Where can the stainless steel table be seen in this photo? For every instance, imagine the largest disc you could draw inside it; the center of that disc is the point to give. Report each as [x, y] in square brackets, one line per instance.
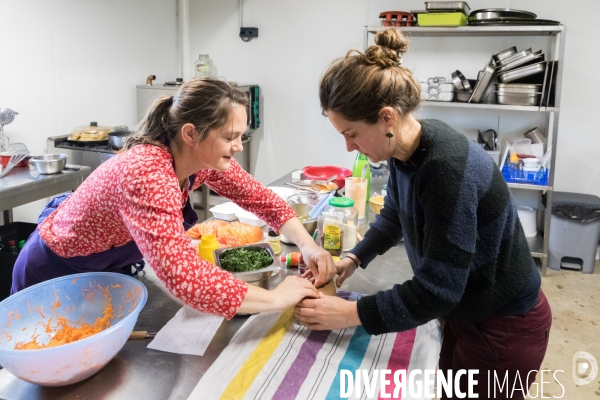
[23, 185]
[139, 372]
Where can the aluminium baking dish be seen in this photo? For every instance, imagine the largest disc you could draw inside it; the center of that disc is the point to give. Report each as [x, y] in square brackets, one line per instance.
[437, 6]
[522, 72]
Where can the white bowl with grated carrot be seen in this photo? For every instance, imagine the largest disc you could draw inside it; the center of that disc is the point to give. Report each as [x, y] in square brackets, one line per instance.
[64, 330]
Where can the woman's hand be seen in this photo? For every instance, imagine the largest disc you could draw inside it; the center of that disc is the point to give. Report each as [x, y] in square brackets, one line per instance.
[291, 291]
[319, 263]
[345, 268]
[287, 294]
[327, 313]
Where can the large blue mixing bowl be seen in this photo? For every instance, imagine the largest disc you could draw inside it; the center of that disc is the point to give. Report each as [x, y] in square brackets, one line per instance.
[81, 299]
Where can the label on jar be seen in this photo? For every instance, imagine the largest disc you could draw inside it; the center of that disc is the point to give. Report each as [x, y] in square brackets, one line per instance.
[332, 237]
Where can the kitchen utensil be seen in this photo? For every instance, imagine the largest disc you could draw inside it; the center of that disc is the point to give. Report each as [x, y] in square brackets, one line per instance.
[518, 88]
[490, 138]
[5, 159]
[331, 178]
[306, 198]
[116, 140]
[460, 82]
[493, 13]
[78, 298]
[316, 211]
[376, 204]
[136, 335]
[504, 54]
[14, 160]
[522, 72]
[518, 99]
[437, 89]
[309, 223]
[49, 164]
[486, 77]
[397, 18]
[523, 147]
[324, 172]
[463, 96]
[529, 58]
[6, 117]
[298, 187]
[514, 57]
[437, 6]
[317, 185]
[512, 22]
[92, 133]
[364, 172]
[535, 136]
[19, 148]
[259, 277]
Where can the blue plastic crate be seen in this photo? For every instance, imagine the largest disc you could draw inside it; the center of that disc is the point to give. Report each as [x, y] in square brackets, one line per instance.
[513, 175]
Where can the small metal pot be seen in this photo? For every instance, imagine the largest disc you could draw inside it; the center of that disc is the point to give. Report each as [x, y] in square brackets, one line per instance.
[49, 164]
[116, 140]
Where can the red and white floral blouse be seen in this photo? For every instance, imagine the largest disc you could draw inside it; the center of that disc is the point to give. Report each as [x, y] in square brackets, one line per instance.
[136, 196]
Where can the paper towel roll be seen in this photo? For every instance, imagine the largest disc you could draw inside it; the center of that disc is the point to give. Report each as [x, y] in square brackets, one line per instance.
[528, 217]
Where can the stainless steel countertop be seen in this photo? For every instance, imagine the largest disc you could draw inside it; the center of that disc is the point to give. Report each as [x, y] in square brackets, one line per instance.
[139, 372]
[23, 185]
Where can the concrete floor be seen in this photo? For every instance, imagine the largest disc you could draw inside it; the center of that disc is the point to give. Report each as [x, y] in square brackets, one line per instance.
[575, 301]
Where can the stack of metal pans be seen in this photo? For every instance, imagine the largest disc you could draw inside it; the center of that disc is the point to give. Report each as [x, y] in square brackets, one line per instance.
[518, 94]
[506, 16]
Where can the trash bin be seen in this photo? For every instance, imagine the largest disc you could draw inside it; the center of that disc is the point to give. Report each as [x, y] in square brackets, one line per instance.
[16, 231]
[574, 231]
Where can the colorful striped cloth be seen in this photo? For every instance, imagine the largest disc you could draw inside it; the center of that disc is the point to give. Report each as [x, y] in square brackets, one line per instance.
[272, 356]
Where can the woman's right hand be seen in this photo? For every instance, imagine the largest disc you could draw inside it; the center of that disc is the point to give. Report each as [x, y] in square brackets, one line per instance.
[345, 268]
[292, 290]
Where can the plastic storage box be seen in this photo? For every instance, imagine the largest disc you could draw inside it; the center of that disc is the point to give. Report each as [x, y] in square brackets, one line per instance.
[574, 231]
[442, 19]
[514, 175]
[16, 231]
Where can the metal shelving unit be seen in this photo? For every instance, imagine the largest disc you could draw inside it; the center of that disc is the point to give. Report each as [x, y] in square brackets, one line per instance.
[539, 244]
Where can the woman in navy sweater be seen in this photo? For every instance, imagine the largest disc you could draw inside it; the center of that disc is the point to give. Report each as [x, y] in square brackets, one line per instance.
[448, 200]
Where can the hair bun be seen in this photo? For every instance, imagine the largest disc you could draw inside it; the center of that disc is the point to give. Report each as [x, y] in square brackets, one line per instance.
[390, 44]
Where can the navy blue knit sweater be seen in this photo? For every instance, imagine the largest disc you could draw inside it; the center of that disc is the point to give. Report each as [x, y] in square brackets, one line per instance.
[462, 235]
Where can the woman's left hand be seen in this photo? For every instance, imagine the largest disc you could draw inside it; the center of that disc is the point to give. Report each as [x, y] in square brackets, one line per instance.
[320, 264]
[327, 313]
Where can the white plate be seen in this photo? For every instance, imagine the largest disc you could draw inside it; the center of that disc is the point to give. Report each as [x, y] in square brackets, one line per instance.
[226, 211]
[249, 218]
[282, 192]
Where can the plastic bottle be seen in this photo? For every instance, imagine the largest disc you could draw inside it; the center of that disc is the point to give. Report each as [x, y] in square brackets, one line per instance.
[208, 243]
[292, 259]
[359, 163]
[202, 66]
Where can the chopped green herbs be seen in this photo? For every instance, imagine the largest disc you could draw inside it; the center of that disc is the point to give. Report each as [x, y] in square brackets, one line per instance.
[243, 260]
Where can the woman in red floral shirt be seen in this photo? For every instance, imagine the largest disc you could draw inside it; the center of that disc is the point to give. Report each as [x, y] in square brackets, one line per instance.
[136, 206]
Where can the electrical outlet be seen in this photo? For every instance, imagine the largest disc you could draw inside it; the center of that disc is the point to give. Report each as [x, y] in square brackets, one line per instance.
[248, 33]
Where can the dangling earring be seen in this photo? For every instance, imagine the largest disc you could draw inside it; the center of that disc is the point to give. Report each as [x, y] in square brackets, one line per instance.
[389, 135]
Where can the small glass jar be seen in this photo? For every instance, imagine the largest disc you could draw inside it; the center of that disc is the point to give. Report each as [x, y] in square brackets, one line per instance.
[337, 226]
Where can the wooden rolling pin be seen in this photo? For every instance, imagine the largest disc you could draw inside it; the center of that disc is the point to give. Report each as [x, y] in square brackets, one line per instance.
[135, 335]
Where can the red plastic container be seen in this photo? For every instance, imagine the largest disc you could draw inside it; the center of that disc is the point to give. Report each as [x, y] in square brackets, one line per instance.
[326, 172]
[5, 158]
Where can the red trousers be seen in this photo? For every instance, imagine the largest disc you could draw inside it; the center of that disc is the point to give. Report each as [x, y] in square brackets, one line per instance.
[502, 346]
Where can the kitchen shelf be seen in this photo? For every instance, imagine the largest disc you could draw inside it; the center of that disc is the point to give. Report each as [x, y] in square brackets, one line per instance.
[536, 246]
[537, 30]
[529, 187]
[457, 104]
[557, 35]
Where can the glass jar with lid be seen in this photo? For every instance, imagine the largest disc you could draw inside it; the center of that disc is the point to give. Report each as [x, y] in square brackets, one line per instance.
[337, 226]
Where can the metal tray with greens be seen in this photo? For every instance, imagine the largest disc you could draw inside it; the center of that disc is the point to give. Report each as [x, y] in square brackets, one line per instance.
[244, 259]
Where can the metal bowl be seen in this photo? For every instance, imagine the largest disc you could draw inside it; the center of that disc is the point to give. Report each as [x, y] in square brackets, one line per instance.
[48, 164]
[302, 210]
[259, 277]
[305, 198]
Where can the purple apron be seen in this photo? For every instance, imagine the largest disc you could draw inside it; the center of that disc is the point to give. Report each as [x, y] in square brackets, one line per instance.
[37, 263]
